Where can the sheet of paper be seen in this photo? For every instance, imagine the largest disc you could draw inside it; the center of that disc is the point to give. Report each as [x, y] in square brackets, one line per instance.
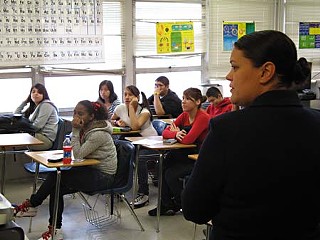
[147, 142]
[51, 155]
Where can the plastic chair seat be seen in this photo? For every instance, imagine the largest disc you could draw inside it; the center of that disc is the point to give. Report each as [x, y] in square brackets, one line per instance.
[31, 168]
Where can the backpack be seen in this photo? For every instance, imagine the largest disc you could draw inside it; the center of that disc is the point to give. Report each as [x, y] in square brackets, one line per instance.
[15, 123]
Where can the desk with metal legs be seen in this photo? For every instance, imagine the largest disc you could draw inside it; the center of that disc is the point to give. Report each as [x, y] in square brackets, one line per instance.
[42, 158]
[13, 140]
[156, 143]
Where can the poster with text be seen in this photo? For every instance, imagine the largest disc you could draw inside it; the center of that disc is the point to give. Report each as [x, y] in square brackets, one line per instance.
[309, 35]
[174, 37]
[232, 31]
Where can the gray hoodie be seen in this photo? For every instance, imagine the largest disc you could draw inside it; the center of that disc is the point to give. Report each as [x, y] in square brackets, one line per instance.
[96, 143]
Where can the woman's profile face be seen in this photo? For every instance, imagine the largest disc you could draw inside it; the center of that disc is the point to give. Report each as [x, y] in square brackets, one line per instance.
[244, 79]
[104, 92]
[36, 97]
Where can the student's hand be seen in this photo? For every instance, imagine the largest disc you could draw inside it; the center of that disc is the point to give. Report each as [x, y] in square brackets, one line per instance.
[156, 91]
[77, 122]
[180, 135]
[134, 102]
[174, 128]
[121, 123]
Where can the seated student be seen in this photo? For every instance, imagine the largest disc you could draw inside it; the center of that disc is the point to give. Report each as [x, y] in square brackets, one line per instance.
[218, 104]
[137, 116]
[134, 115]
[91, 138]
[108, 97]
[190, 127]
[164, 100]
[43, 114]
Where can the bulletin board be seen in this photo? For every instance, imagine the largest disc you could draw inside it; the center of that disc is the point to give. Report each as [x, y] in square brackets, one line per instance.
[174, 37]
[309, 35]
[35, 32]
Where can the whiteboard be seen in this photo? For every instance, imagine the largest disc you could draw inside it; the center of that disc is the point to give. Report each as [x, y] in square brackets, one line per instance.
[37, 32]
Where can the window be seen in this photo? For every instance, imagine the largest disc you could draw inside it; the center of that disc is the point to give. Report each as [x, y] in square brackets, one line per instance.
[66, 92]
[179, 68]
[179, 81]
[15, 91]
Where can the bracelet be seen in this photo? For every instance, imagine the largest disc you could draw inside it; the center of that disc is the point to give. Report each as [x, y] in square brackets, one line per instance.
[156, 93]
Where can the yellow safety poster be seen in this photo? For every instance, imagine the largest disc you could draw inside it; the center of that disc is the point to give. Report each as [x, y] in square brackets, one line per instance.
[175, 37]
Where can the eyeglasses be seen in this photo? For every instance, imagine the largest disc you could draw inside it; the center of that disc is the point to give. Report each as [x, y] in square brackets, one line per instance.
[158, 85]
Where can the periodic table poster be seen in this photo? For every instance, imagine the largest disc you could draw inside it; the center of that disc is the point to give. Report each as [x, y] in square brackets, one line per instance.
[34, 32]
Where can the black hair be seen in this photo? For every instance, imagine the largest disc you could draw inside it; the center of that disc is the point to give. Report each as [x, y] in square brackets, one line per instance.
[195, 94]
[113, 96]
[163, 80]
[276, 47]
[95, 108]
[135, 91]
[41, 89]
[213, 92]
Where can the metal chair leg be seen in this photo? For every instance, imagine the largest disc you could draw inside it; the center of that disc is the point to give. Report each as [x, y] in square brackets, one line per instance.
[131, 211]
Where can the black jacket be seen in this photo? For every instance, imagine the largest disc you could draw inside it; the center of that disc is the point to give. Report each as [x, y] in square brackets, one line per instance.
[258, 172]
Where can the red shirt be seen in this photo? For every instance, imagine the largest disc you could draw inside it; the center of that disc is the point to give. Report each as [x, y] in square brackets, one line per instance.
[198, 131]
[224, 106]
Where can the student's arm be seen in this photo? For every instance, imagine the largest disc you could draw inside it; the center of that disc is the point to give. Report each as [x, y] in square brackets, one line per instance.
[158, 105]
[92, 142]
[45, 111]
[168, 133]
[21, 107]
[137, 121]
[198, 127]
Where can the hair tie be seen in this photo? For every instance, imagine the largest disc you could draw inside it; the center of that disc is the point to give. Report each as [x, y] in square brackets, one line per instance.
[96, 106]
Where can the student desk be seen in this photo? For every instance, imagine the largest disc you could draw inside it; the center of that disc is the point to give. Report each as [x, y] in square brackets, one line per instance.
[165, 116]
[13, 140]
[42, 158]
[155, 143]
[168, 120]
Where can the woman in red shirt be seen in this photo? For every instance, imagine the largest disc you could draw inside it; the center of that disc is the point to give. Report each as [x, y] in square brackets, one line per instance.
[190, 127]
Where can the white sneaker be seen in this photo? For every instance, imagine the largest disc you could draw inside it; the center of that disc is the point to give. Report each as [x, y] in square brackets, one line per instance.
[31, 212]
[141, 200]
[48, 234]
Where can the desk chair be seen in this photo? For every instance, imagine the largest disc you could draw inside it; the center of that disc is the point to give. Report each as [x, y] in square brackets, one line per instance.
[123, 182]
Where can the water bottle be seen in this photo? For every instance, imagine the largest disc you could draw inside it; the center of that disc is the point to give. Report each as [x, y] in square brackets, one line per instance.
[67, 149]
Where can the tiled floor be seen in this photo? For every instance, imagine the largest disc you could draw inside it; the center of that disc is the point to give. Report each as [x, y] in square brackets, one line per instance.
[76, 227]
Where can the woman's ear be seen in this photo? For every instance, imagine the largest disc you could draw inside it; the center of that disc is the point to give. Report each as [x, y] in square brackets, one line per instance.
[268, 70]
